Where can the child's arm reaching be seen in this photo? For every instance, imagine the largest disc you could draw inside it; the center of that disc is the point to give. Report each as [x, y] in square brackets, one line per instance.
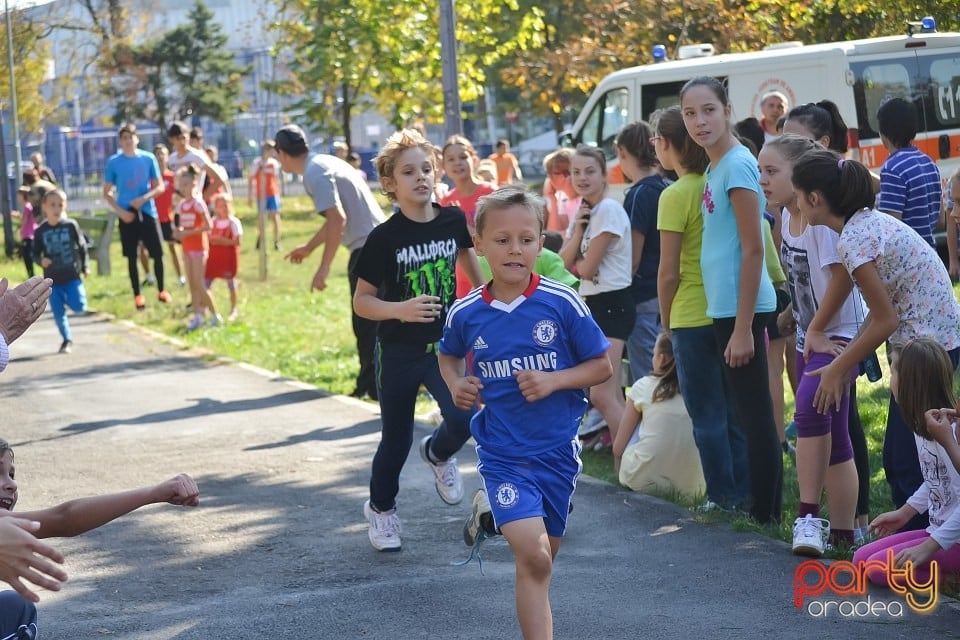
[628, 426]
[423, 308]
[536, 385]
[79, 516]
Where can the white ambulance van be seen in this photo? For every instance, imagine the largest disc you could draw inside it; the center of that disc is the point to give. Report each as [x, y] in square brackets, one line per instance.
[923, 66]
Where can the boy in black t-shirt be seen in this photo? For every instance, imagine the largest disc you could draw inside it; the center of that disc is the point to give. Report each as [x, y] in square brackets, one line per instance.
[411, 259]
[59, 248]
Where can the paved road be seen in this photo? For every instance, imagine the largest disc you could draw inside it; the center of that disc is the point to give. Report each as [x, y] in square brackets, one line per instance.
[278, 547]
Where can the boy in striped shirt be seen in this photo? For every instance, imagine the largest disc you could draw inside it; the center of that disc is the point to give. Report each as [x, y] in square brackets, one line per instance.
[909, 179]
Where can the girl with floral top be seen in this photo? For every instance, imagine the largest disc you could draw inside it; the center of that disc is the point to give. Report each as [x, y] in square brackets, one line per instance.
[904, 284]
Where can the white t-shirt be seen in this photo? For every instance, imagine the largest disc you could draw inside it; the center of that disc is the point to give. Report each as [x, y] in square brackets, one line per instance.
[807, 259]
[614, 272]
[665, 456]
[912, 273]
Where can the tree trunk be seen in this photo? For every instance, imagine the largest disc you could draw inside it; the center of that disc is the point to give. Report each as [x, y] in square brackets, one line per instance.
[346, 113]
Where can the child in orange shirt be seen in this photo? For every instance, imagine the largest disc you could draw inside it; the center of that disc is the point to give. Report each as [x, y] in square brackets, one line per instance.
[192, 233]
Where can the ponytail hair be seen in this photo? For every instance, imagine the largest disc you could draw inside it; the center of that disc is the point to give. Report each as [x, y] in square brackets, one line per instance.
[822, 119]
[635, 140]
[668, 124]
[845, 184]
[669, 383]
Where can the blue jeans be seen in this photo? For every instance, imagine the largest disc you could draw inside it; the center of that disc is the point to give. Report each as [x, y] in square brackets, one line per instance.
[646, 328]
[401, 369]
[71, 294]
[722, 446]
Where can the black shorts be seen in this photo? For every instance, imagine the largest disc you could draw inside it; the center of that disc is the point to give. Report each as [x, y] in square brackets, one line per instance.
[783, 299]
[143, 229]
[614, 312]
[166, 230]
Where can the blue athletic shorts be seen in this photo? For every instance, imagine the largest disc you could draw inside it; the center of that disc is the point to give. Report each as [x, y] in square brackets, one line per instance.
[273, 204]
[537, 487]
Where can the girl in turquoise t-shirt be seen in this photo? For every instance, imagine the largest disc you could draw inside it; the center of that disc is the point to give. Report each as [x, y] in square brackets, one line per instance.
[740, 296]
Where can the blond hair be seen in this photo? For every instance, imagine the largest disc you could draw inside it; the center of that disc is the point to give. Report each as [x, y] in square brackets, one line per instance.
[396, 144]
[505, 197]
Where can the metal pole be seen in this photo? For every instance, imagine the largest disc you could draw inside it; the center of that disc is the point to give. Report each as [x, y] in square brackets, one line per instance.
[453, 125]
[18, 157]
[82, 182]
[8, 240]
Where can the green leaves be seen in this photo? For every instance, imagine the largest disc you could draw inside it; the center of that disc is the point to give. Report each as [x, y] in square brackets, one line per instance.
[340, 52]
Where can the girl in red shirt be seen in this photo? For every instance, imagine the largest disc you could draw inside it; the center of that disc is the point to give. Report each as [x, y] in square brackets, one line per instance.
[193, 225]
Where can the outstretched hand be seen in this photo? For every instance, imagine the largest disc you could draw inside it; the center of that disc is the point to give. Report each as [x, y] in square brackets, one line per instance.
[23, 557]
[21, 306]
[299, 254]
[179, 490]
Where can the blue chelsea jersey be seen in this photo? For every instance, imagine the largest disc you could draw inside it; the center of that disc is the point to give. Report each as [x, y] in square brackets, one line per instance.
[547, 328]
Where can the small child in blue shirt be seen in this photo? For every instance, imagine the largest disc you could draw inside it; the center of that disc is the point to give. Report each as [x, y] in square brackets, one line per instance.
[532, 348]
[909, 179]
[59, 247]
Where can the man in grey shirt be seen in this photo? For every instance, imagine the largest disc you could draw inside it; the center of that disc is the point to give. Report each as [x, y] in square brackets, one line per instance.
[342, 197]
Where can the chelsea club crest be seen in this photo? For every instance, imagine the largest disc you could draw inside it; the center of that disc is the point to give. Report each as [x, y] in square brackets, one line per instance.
[545, 332]
[507, 495]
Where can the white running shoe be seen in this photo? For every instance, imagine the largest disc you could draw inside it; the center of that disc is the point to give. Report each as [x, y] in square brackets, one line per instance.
[473, 530]
[810, 536]
[448, 481]
[384, 530]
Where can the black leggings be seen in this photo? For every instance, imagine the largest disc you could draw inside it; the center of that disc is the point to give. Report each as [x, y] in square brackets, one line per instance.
[26, 252]
[750, 395]
[134, 273]
[861, 456]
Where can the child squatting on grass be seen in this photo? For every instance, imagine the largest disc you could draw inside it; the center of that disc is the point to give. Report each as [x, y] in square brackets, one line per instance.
[70, 519]
[921, 379]
[533, 347]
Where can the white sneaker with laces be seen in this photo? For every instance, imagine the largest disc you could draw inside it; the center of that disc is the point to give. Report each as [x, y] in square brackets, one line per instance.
[473, 529]
[384, 530]
[448, 481]
[810, 535]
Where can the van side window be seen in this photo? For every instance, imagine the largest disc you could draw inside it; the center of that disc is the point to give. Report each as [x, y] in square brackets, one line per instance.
[944, 98]
[660, 96]
[875, 83]
[610, 114]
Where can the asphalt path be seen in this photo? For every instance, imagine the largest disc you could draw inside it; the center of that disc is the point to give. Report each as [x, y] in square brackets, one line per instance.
[278, 547]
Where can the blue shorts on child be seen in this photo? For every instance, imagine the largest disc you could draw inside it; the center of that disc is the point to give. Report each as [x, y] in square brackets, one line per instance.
[538, 486]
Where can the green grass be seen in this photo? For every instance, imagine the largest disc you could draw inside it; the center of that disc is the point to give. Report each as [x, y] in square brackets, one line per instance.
[285, 328]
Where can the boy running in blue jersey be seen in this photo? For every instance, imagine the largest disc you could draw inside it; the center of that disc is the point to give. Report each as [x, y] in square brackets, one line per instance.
[532, 349]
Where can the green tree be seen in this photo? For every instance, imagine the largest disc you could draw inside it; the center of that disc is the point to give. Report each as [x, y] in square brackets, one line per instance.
[30, 54]
[345, 51]
[186, 72]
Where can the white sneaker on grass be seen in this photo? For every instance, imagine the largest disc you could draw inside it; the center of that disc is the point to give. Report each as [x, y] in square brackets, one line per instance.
[810, 536]
[448, 481]
[384, 530]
